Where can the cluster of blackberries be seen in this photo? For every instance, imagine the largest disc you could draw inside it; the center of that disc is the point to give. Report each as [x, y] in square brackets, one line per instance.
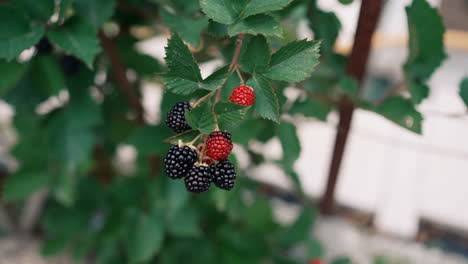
[199, 166]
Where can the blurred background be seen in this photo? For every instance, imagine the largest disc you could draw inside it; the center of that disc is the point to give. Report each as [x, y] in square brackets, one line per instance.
[402, 197]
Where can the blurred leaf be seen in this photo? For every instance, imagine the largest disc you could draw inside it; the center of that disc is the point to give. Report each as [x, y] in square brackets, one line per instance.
[426, 46]
[260, 216]
[294, 62]
[266, 103]
[341, 260]
[326, 27]
[254, 7]
[201, 118]
[143, 64]
[22, 184]
[287, 134]
[47, 74]
[97, 12]
[258, 24]
[257, 55]
[77, 37]
[349, 86]
[185, 222]
[464, 90]
[177, 196]
[189, 29]
[53, 246]
[148, 139]
[248, 130]
[17, 33]
[402, 112]
[41, 10]
[11, 74]
[64, 8]
[300, 230]
[216, 29]
[146, 238]
[218, 11]
[314, 249]
[311, 108]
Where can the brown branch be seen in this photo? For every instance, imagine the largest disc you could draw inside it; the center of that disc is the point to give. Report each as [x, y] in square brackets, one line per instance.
[235, 57]
[119, 74]
[103, 169]
[356, 67]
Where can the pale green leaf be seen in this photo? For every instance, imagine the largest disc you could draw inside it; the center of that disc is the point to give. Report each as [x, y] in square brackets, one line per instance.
[97, 12]
[257, 55]
[254, 7]
[188, 28]
[77, 37]
[266, 102]
[258, 24]
[201, 118]
[17, 32]
[464, 90]
[218, 10]
[294, 62]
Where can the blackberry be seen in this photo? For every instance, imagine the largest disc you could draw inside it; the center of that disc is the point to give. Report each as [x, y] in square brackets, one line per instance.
[224, 174]
[176, 117]
[198, 179]
[70, 65]
[44, 46]
[179, 161]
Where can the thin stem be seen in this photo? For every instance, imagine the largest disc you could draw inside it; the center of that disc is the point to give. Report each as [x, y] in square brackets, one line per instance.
[240, 76]
[203, 98]
[235, 58]
[203, 149]
[194, 140]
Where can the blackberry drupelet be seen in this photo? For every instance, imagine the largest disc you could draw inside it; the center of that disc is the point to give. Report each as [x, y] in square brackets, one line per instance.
[224, 174]
[176, 117]
[198, 179]
[179, 160]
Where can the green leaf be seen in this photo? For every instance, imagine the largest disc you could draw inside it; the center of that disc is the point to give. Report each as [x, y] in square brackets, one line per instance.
[17, 32]
[47, 74]
[266, 102]
[77, 37]
[258, 24]
[311, 108]
[464, 90]
[326, 27]
[177, 197]
[189, 29]
[148, 139]
[426, 46]
[185, 222]
[143, 64]
[216, 29]
[185, 137]
[349, 86]
[11, 74]
[257, 55]
[342, 260]
[294, 62]
[260, 216]
[97, 12]
[230, 112]
[22, 184]
[201, 118]
[218, 10]
[179, 85]
[217, 79]
[402, 112]
[146, 239]
[287, 133]
[254, 7]
[299, 230]
[41, 10]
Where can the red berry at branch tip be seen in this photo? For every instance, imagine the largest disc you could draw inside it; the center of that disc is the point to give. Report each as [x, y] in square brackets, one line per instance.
[219, 145]
[243, 95]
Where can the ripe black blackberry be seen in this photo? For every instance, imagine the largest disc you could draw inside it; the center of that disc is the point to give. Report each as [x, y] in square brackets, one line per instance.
[44, 46]
[224, 174]
[176, 117]
[198, 179]
[179, 160]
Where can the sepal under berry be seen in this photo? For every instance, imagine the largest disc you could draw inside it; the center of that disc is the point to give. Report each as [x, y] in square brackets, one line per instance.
[198, 179]
[179, 160]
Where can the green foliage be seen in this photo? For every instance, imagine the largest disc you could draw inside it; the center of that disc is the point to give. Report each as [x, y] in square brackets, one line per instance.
[97, 12]
[266, 102]
[402, 112]
[201, 118]
[464, 91]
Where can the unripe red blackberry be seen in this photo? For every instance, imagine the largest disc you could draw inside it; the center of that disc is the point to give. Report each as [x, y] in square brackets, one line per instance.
[198, 179]
[224, 174]
[243, 95]
[179, 160]
[219, 145]
[175, 118]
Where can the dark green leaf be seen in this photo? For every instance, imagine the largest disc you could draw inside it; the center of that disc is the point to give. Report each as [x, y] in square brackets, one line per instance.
[178, 85]
[402, 112]
[148, 139]
[22, 184]
[254, 7]
[349, 86]
[146, 238]
[77, 37]
[311, 108]
[47, 75]
[260, 216]
[201, 118]
[216, 79]
[289, 142]
[258, 24]
[299, 230]
[464, 90]
[185, 222]
[11, 74]
[230, 113]
[342, 260]
[217, 29]
[17, 32]
[266, 103]
[219, 11]
[294, 62]
[189, 29]
[97, 12]
[41, 10]
[257, 55]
